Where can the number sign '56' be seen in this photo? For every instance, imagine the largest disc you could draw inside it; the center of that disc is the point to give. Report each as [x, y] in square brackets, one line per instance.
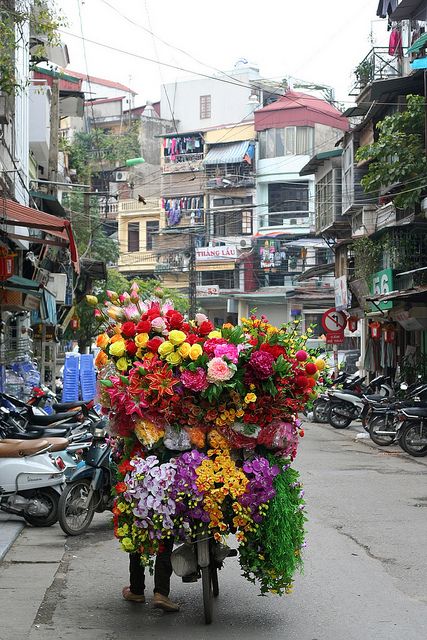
[381, 284]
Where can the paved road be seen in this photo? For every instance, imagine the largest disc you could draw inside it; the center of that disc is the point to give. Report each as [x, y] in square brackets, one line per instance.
[365, 567]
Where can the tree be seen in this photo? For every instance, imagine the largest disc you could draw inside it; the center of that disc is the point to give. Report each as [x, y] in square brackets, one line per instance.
[117, 282]
[398, 156]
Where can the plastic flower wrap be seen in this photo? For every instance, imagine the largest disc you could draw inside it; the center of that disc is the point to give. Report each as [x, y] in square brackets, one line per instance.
[219, 409]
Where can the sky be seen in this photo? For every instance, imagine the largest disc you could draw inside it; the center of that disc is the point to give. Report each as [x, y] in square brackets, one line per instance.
[311, 40]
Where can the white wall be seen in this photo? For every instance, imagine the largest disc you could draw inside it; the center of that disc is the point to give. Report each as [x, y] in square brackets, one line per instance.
[39, 123]
[21, 151]
[229, 102]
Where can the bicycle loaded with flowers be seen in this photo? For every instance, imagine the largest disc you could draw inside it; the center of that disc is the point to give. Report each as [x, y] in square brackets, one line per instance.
[206, 429]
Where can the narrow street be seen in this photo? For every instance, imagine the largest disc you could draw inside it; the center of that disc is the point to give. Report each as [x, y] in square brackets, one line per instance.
[365, 566]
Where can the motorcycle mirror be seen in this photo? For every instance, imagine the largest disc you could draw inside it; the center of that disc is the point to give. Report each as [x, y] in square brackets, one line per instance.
[404, 386]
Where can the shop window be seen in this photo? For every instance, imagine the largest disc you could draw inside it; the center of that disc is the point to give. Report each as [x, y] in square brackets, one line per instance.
[133, 236]
[205, 107]
[151, 229]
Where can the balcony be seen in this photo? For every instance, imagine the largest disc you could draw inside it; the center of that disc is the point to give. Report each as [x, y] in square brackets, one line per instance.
[231, 181]
[109, 210]
[175, 263]
[183, 162]
[377, 65]
[145, 261]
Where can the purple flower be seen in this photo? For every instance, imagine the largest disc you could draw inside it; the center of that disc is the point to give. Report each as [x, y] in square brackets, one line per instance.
[261, 362]
[194, 380]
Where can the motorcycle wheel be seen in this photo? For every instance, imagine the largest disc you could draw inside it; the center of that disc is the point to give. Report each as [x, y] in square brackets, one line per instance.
[378, 423]
[409, 435]
[320, 411]
[74, 512]
[337, 420]
[50, 498]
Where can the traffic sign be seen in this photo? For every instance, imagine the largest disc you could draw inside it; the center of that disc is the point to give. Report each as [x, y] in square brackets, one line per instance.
[334, 321]
[335, 338]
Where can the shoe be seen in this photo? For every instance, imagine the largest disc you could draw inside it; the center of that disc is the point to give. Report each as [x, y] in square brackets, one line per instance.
[132, 597]
[162, 602]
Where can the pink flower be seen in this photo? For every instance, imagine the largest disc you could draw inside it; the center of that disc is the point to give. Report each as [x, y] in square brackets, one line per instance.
[228, 351]
[195, 380]
[219, 371]
[131, 312]
[200, 318]
[158, 325]
[210, 345]
[261, 363]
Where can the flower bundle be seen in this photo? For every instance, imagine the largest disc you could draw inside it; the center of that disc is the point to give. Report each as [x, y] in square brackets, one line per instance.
[214, 414]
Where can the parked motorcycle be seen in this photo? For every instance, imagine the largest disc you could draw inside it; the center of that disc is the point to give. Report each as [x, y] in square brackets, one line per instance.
[346, 406]
[30, 482]
[322, 402]
[89, 489]
[413, 430]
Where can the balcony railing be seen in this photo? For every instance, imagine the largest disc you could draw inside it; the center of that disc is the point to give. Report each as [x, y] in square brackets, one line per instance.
[183, 162]
[230, 182]
[377, 65]
[144, 260]
[113, 207]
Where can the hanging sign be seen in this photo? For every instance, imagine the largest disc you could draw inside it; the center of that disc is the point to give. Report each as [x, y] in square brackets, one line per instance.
[381, 284]
[212, 290]
[225, 252]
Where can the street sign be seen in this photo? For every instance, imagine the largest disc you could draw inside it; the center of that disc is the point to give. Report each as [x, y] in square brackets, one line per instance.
[334, 321]
[335, 338]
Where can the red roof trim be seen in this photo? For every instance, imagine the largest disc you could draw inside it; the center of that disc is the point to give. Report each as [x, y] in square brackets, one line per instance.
[101, 81]
[23, 216]
[102, 100]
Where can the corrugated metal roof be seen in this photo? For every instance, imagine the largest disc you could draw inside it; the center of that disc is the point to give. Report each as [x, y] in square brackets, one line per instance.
[419, 44]
[228, 153]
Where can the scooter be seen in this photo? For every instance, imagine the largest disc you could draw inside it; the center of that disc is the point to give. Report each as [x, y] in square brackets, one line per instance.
[346, 406]
[322, 402]
[30, 482]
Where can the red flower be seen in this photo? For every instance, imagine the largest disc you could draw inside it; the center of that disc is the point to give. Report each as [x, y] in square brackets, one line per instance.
[310, 368]
[154, 312]
[175, 319]
[275, 349]
[131, 347]
[143, 326]
[124, 467]
[162, 382]
[192, 338]
[301, 381]
[128, 329]
[205, 328]
[121, 487]
[154, 343]
[185, 326]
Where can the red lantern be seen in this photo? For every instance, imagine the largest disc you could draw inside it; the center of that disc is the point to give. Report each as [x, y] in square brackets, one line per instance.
[389, 333]
[352, 323]
[6, 263]
[375, 329]
[75, 323]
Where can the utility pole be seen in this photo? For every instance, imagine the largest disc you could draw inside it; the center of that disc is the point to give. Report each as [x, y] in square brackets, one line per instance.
[192, 282]
[54, 137]
[86, 211]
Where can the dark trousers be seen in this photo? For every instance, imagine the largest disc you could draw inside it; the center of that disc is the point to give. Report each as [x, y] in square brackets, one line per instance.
[162, 571]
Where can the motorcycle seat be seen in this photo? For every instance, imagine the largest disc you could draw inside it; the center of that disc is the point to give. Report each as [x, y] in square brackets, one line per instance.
[415, 412]
[51, 419]
[21, 448]
[374, 397]
[65, 406]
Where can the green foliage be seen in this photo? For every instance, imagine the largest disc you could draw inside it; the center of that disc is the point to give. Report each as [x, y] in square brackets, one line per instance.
[88, 150]
[43, 20]
[398, 156]
[367, 254]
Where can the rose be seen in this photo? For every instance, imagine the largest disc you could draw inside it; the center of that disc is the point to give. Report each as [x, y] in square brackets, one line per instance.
[219, 371]
[205, 327]
[215, 334]
[250, 397]
[153, 344]
[200, 318]
[165, 348]
[141, 340]
[174, 358]
[122, 364]
[176, 337]
[118, 348]
[228, 351]
[115, 313]
[184, 350]
[128, 329]
[102, 340]
[143, 326]
[158, 324]
[195, 380]
[195, 351]
[174, 318]
[131, 347]
[101, 359]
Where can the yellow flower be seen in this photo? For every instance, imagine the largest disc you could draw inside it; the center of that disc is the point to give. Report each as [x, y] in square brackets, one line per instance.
[102, 340]
[174, 358]
[122, 364]
[239, 413]
[250, 397]
[184, 349]
[215, 334]
[92, 300]
[141, 339]
[127, 544]
[118, 348]
[176, 337]
[195, 351]
[165, 349]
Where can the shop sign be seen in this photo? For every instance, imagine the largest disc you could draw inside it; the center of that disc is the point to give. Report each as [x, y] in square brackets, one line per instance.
[381, 284]
[334, 338]
[342, 301]
[225, 252]
[212, 290]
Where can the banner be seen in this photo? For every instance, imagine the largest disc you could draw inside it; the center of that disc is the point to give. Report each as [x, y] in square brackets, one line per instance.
[225, 252]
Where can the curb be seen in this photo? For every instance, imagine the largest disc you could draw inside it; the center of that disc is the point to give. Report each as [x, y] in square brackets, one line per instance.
[9, 532]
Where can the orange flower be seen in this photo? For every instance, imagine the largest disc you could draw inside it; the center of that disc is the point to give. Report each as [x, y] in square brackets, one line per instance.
[101, 359]
[197, 437]
[116, 336]
[102, 340]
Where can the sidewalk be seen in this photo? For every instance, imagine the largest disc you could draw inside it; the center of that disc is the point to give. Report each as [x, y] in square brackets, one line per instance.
[10, 528]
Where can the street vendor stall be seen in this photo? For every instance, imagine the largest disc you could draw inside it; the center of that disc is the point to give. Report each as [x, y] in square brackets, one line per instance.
[206, 429]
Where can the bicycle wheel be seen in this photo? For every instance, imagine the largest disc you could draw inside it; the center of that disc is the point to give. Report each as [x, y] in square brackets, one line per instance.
[214, 579]
[207, 593]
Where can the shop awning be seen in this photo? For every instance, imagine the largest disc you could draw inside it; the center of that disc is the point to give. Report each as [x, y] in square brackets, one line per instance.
[419, 44]
[22, 216]
[24, 285]
[416, 294]
[227, 153]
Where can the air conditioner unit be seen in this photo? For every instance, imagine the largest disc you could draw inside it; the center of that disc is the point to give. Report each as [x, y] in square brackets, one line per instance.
[58, 286]
[121, 176]
[245, 243]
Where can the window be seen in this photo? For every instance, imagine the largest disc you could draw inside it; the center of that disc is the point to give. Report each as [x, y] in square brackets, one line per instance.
[288, 198]
[231, 223]
[224, 279]
[246, 222]
[152, 227]
[325, 201]
[133, 236]
[205, 107]
[289, 141]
